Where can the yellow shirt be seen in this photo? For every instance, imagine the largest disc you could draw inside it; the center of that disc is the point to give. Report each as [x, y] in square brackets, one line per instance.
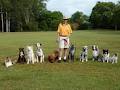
[64, 29]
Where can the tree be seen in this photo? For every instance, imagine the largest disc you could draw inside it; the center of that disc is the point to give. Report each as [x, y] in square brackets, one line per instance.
[27, 11]
[5, 8]
[79, 20]
[102, 14]
[49, 20]
[22, 14]
[116, 16]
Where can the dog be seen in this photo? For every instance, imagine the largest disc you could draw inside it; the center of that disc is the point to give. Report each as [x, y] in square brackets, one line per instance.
[39, 53]
[106, 55]
[8, 62]
[21, 58]
[95, 52]
[84, 54]
[113, 59]
[71, 55]
[53, 57]
[30, 55]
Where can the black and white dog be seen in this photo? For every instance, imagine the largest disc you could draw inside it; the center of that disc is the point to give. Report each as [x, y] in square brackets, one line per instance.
[95, 52]
[21, 58]
[39, 53]
[84, 54]
[106, 55]
[71, 55]
[113, 59]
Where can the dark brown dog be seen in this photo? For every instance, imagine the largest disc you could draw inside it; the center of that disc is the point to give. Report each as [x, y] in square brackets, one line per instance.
[53, 57]
[21, 58]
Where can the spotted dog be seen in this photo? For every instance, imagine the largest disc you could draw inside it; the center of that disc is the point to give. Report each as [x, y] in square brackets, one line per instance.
[95, 53]
[84, 54]
[39, 53]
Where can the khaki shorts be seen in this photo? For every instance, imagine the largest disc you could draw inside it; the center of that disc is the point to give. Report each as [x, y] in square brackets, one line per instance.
[64, 42]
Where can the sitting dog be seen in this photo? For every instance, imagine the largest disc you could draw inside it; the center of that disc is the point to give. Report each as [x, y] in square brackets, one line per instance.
[84, 54]
[8, 62]
[30, 55]
[71, 55]
[113, 59]
[39, 53]
[21, 58]
[53, 57]
[106, 55]
[95, 52]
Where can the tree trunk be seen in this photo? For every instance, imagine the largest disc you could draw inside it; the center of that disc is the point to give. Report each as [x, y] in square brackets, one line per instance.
[27, 16]
[115, 27]
[7, 25]
[2, 20]
[21, 29]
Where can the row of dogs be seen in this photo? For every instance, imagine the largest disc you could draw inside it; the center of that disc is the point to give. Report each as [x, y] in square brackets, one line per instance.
[28, 56]
[96, 55]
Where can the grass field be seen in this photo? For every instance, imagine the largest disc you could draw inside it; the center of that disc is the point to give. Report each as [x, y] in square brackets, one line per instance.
[60, 76]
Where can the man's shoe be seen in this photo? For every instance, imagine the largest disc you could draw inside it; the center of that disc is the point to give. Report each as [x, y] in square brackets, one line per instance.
[65, 60]
[59, 61]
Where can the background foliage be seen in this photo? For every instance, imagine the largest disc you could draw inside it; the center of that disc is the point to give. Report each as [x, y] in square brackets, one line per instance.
[32, 15]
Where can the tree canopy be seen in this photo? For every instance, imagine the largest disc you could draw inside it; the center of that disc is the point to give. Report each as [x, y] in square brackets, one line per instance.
[32, 15]
[105, 15]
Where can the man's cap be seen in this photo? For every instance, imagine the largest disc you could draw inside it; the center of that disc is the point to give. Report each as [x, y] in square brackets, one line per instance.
[65, 18]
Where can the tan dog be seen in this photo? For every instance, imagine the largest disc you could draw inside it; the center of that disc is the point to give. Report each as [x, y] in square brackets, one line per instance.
[53, 57]
[8, 62]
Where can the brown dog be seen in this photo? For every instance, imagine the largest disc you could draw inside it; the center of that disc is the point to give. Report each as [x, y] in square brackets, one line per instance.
[53, 57]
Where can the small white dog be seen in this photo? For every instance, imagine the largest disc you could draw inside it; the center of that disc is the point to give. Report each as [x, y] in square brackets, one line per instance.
[113, 59]
[84, 54]
[30, 55]
[106, 55]
[39, 53]
[8, 62]
[95, 52]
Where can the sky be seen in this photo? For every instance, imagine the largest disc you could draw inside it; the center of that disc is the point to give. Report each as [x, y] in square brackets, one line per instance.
[69, 7]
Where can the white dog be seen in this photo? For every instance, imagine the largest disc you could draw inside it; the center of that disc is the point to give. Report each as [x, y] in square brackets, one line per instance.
[30, 55]
[113, 59]
[39, 53]
[106, 55]
[95, 52]
[8, 62]
[84, 54]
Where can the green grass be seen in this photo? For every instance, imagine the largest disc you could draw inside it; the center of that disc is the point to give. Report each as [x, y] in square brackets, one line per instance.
[63, 76]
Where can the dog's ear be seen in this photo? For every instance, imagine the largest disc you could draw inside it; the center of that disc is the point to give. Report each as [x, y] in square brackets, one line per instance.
[103, 51]
[116, 54]
[97, 47]
[22, 48]
[92, 47]
[107, 50]
[31, 47]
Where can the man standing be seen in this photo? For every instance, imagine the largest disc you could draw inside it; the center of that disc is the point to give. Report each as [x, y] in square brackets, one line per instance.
[64, 31]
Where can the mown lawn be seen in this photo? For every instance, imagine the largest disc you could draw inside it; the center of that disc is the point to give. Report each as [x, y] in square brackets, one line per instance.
[60, 76]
